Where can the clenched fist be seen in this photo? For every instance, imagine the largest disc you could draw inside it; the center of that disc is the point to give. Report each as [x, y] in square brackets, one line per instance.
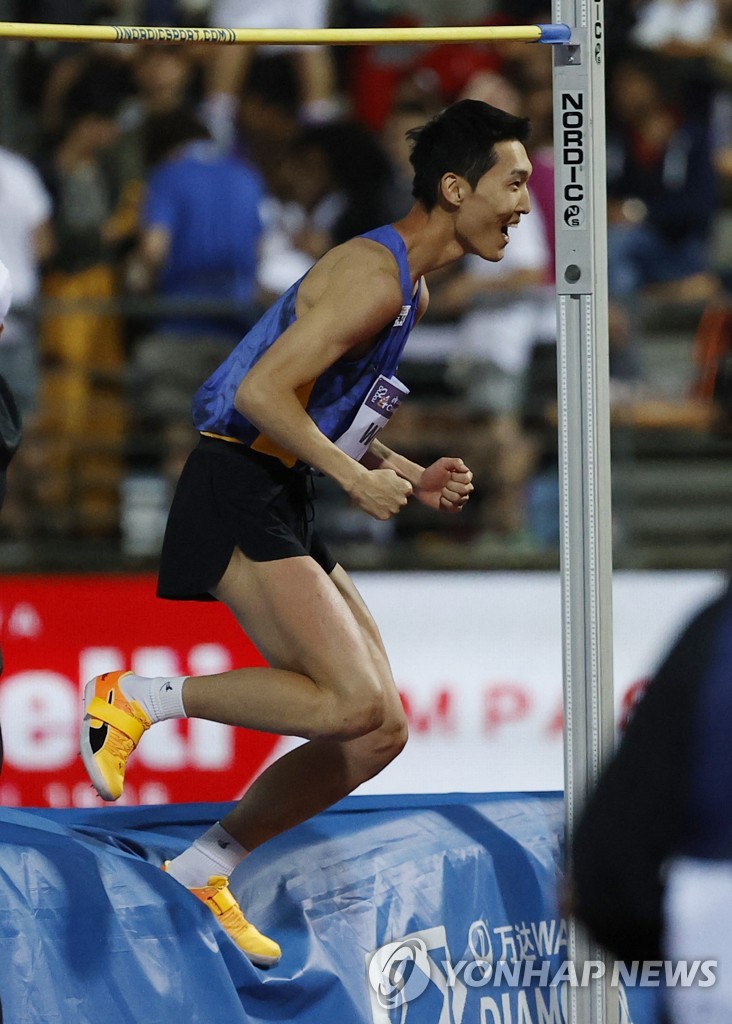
[381, 493]
[446, 485]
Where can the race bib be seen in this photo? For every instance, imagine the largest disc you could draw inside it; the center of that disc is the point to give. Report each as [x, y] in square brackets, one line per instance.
[377, 409]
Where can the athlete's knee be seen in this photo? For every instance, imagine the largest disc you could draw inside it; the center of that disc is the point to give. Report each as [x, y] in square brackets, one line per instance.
[359, 709]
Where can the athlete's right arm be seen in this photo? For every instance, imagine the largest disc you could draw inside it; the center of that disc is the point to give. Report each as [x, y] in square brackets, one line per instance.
[357, 297]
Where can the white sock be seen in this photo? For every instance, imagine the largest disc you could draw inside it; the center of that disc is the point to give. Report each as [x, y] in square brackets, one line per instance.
[213, 853]
[161, 697]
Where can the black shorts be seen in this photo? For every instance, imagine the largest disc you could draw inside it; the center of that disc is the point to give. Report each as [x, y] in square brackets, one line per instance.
[229, 496]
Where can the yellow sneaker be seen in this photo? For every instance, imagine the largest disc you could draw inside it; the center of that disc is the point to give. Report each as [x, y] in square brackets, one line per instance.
[111, 729]
[221, 901]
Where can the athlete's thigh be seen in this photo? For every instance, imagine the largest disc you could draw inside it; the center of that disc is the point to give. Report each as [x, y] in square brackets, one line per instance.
[359, 609]
[298, 618]
[347, 588]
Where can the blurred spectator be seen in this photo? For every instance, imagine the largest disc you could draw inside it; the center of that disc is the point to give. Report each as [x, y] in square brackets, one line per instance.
[83, 263]
[26, 241]
[338, 180]
[82, 333]
[341, 177]
[620, 17]
[719, 50]
[47, 71]
[382, 77]
[268, 114]
[80, 73]
[675, 28]
[502, 310]
[505, 309]
[200, 226]
[682, 34]
[661, 187]
[198, 245]
[82, 192]
[455, 64]
[229, 65]
[164, 78]
[499, 313]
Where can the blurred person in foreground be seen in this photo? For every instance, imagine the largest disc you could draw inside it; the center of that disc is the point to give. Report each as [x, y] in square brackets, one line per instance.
[305, 393]
[10, 425]
[652, 852]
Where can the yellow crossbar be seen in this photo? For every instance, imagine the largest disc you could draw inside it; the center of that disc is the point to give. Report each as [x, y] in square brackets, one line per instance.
[264, 37]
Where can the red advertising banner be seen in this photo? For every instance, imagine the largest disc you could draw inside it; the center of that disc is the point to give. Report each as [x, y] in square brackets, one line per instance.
[488, 720]
[58, 632]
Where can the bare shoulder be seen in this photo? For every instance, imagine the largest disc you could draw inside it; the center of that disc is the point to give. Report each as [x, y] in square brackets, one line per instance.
[359, 272]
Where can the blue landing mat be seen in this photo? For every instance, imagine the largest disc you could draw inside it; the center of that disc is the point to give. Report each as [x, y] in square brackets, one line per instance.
[92, 932]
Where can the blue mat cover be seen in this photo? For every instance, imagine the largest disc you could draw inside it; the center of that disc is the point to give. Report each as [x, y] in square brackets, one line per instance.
[93, 932]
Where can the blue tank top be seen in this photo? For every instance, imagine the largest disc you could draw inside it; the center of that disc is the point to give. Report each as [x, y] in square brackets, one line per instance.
[332, 399]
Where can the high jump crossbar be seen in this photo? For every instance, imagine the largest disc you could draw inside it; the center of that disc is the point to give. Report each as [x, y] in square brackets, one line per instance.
[302, 37]
[577, 33]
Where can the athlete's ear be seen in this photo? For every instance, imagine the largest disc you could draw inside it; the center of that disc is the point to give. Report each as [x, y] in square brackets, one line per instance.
[453, 188]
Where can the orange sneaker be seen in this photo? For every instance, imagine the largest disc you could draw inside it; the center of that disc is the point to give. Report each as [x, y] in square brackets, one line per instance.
[111, 729]
[221, 901]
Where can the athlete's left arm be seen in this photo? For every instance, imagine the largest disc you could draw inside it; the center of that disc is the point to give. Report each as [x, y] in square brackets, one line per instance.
[446, 485]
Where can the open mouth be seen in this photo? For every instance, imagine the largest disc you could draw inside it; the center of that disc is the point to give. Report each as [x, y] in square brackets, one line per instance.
[506, 226]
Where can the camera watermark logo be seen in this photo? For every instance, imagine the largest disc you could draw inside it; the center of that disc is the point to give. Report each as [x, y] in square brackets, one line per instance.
[400, 974]
[416, 975]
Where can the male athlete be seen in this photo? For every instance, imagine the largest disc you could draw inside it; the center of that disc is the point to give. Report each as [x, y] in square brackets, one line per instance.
[306, 391]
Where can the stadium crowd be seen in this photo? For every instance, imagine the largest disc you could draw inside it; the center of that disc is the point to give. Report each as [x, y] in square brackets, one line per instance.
[154, 200]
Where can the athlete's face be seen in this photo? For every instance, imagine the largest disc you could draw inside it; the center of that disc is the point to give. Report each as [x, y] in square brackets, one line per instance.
[497, 203]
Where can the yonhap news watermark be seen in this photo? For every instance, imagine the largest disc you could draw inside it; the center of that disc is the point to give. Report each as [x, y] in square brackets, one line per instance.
[400, 973]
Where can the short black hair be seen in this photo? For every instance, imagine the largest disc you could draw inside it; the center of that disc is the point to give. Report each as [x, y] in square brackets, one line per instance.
[461, 138]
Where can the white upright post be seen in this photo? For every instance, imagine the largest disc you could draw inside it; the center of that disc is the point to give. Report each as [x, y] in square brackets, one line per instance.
[584, 444]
